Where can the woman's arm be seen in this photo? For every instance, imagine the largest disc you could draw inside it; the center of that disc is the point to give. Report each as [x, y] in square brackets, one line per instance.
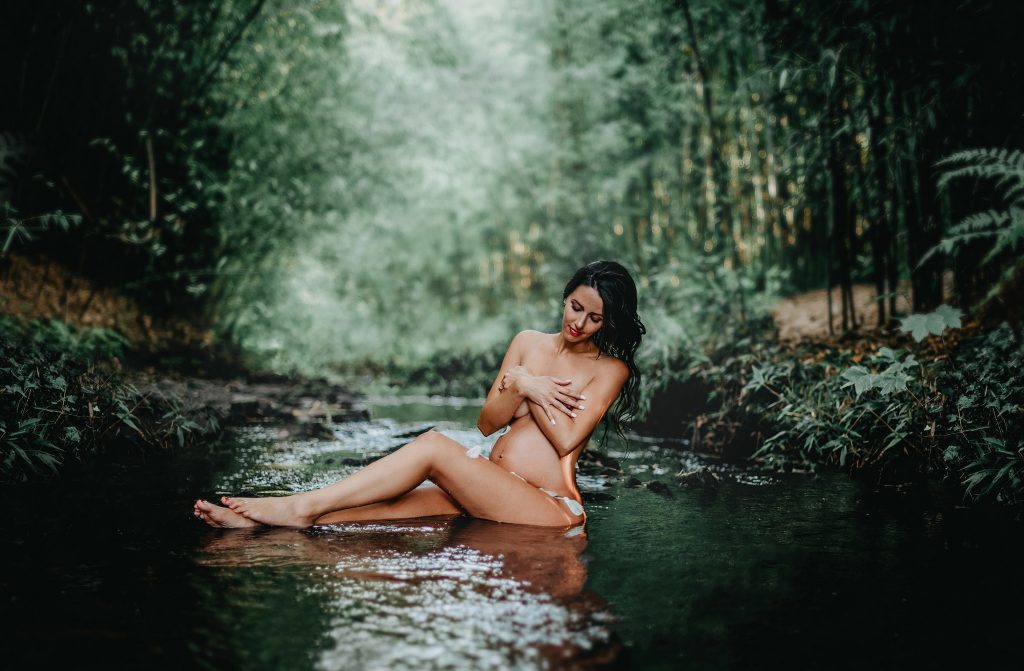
[502, 400]
[515, 383]
[597, 396]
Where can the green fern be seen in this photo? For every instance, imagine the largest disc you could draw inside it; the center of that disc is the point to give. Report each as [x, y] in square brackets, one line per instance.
[1005, 226]
[1002, 165]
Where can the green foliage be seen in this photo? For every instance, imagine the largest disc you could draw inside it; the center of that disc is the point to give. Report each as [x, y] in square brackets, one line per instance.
[15, 228]
[694, 307]
[118, 110]
[813, 421]
[920, 326]
[59, 400]
[92, 344]
[325, 179]
[960, 416]
[593, 131]
[893, 378]
[984, 415]
[1003, 227]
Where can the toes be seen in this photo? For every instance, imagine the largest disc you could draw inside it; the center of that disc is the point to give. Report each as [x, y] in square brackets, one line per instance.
[209, 520]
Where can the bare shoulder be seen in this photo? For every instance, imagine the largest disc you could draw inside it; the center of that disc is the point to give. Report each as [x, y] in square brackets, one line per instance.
[530, 334]
[613, 368]
[530, 339]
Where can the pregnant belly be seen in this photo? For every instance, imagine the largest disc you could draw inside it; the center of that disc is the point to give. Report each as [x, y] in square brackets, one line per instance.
[525, 450]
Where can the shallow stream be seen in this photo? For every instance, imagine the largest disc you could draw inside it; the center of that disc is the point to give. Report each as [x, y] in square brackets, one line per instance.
[108, 567]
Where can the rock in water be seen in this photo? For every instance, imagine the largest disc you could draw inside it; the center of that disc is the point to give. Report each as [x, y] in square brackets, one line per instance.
[409, 434]
[659, 488]
[700, 477]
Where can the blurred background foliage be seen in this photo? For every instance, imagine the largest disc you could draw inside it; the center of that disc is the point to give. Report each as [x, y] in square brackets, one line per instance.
[393, 188]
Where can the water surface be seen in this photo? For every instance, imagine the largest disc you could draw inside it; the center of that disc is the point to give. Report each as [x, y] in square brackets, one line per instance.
[109, 566]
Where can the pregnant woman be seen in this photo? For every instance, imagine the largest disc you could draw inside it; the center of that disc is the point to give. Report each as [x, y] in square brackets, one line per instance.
[552, 391]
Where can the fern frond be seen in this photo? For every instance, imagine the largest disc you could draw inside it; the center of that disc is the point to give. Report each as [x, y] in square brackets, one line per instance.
[1006, 168]
[980, 221]
[985, 156]
[1002, 165]
[1015, 194]
[951, 244]
[1008, 237]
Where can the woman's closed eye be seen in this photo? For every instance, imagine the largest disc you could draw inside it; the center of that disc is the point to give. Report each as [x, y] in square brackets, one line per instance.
[576, 307]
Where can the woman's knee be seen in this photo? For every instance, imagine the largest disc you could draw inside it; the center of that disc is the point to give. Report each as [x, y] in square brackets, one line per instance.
[435, 442]
[438, 448]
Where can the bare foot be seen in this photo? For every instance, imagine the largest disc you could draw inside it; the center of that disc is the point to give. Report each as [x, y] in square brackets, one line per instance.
[217, 516]
[276, 511]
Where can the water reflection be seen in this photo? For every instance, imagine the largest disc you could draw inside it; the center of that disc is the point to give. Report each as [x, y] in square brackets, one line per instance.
[435, 592]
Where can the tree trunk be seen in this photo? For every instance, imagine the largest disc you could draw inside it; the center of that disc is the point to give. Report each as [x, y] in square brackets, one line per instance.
[840, 217]
[719, 167]
[881, 227]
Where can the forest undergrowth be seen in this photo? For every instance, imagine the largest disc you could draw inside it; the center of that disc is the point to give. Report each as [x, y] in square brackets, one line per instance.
[66, 397]
[928, 401]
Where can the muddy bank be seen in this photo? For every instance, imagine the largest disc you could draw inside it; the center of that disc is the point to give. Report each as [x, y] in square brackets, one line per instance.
[302, 406]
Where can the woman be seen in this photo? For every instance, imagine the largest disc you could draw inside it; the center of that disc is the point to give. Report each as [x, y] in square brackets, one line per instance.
[552, 391]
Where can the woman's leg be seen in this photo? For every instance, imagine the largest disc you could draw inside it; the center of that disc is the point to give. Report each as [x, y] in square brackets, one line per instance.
[481, 488]
[427, 500]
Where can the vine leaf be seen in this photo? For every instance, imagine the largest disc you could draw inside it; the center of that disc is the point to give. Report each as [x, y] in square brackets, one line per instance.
[950, 315]
[860, 377]
[892, 379]
[920, 326]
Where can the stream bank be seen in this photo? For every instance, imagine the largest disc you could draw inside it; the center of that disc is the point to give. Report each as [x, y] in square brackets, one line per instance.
[69, 393]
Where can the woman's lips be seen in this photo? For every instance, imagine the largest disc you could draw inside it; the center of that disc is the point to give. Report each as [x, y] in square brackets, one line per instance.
[574, 333]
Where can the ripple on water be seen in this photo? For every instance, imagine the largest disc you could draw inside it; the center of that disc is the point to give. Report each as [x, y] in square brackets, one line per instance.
[451, 608]
[463, 594]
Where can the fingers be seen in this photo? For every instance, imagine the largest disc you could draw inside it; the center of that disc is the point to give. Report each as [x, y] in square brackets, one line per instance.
[573, 400]
[548, 412]
[567, 409]
[568, 406]
[572, 393]
[561, 404]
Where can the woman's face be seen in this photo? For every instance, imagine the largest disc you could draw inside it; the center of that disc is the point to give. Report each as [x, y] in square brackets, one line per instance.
[583, 314]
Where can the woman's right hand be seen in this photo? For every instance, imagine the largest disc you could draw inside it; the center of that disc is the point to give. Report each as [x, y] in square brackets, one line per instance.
[550, 393]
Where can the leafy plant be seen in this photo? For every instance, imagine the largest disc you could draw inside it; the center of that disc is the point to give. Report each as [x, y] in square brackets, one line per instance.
[16, 227]
[1002, 226]
[983, 442]
[920, 326]
[60, 400]
[893, 378]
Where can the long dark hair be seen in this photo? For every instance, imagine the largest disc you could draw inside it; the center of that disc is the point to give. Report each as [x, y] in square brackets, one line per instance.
[621, 329]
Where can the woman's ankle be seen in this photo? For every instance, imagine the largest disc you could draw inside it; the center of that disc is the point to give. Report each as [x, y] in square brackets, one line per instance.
[306, 506]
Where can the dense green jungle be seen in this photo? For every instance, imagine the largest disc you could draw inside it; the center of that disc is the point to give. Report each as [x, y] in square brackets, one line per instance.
[379, 194]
